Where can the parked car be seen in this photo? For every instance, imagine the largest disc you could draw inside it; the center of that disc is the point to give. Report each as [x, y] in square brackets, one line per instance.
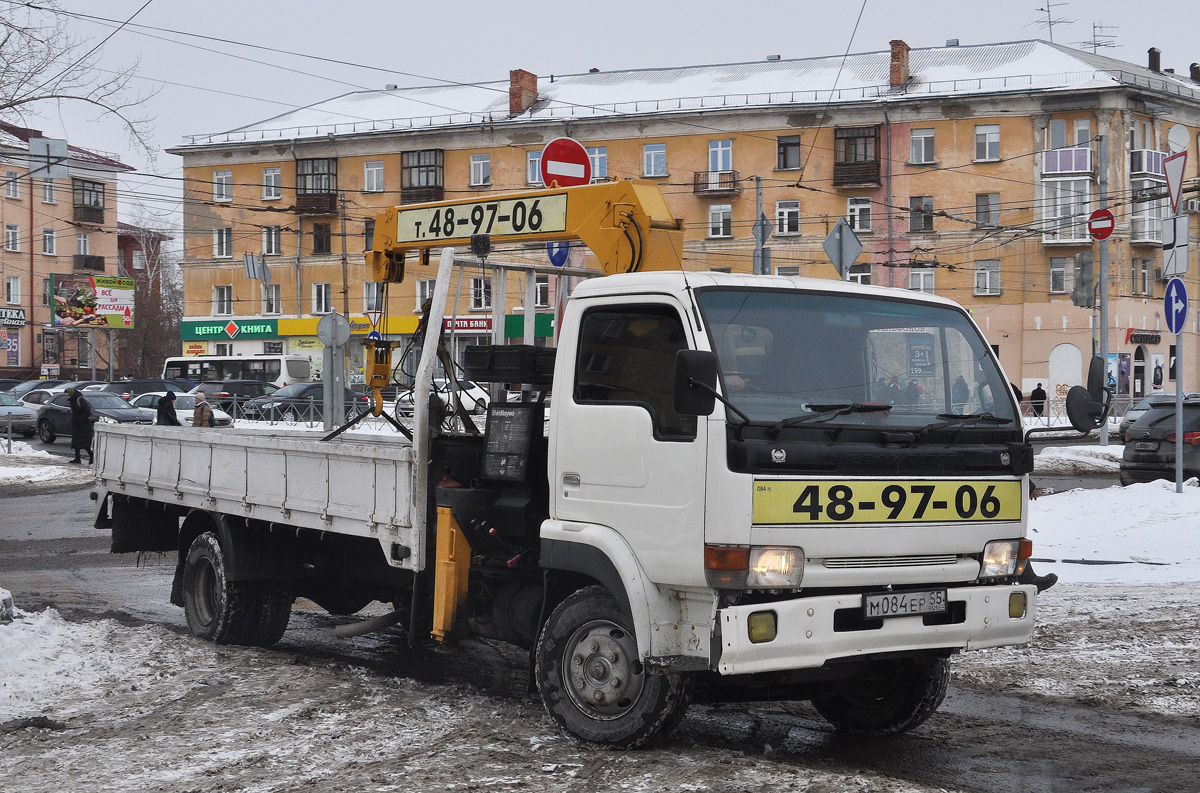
[127, 389]
[23, 419]
[231, 395]
[1150, 443]
[473, 396]
[20, 389]
[1139, 410]
[5, 385]
[299, 402]
[55, 417]
[37, 397]
[184, 405]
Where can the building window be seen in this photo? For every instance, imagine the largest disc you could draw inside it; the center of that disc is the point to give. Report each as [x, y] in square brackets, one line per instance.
[222, 300]
[223, 242]
[1065, 205]
[787, 153]
[987, 142]
[322, 298]
[859, 274]
[599, 157]
[987, 209]
[654, 159]
[533, 167]
[316, 176]
[45, 291]
[987, 277]
[421, 168]
[1146, 223]
[481, 170]
[223, 348]
[1140, 281]
[139, 260]
[921, 147]
[89, 194]
[720, 155]
[272, 185]
[921, 281]
[49, 192]
[272, 348]
[272, 240]
[270, 302]
[12, 184]
[49, 242]
[222, 185]
[12, 289]
[481, 293]
[920, 213]
[368, 234]
[322, 238]
[720, 220]
[541, 291]
[12, 237]
[1058, 275]
[787, 217]
[790, 270]
[858, 214]
[373, 176]
[373, 296]
[855, 144]
[424, 291]
[1080, 133]
[1083, 131]
[83, 244]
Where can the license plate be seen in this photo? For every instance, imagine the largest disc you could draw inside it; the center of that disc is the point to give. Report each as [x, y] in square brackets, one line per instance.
[904, 604]
[1145, 446]
[858, 501]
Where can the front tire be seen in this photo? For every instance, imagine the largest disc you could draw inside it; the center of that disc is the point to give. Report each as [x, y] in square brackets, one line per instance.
[592, 680]
[217, 609]
[890, 697]
[45, 434]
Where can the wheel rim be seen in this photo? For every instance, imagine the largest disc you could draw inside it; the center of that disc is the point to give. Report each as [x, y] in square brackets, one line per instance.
[604, 676]
[204, 591]
[44, 432]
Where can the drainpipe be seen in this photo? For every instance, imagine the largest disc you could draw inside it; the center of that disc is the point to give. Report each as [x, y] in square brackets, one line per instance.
[299, 291]
[887, 125]
[32, 281]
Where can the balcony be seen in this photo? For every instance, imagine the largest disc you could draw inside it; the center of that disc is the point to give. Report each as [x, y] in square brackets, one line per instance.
[846, 174]
[1147, 162]
[1145, 229]
[89, 214]
[421, 195]
[1063, 162]
[82, 262]
[716, 183]
[316, 203]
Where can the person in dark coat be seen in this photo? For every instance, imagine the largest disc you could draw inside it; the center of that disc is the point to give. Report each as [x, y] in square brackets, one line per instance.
[166, 411]
[81, 425]
[1037, 400]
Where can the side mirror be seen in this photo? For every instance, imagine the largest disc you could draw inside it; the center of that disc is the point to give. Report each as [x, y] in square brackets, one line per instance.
[1087, 408]
[695, 382]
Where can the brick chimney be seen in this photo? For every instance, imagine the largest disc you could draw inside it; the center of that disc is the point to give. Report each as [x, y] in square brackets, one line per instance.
[898, 74]
[1154, 62]
[1194, 72]
[522, 91]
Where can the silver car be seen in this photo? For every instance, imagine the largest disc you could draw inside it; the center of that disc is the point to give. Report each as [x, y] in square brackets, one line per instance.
[22, 419]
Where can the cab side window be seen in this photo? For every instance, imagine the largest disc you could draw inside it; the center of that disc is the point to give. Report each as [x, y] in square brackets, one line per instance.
[627, 357]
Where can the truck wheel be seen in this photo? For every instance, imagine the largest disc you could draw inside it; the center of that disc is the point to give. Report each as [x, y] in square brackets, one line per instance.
[217, 609]
[592, 681]
[45, 434]
[274, 606]
[890, 697]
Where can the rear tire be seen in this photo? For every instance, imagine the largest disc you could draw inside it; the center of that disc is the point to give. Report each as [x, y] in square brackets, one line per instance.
[890, 697]
[592, 681]
[274, 606]
[216, 608]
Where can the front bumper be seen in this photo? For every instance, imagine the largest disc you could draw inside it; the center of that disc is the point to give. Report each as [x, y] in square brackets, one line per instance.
[806, 637]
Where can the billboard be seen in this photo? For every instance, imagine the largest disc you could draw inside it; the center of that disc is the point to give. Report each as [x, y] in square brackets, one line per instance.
[92, 301]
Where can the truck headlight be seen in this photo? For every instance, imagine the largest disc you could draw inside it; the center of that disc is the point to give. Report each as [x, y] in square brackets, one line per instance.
[775, 568]
[1003, 558]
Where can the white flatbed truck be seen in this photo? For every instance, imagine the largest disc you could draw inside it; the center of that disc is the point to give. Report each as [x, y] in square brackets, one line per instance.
[751, 487]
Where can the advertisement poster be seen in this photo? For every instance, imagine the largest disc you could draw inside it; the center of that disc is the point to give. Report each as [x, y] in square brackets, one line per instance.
[1123, 364]
[1111, 380]
[1157, 371]
[92, 301]
[10, 347]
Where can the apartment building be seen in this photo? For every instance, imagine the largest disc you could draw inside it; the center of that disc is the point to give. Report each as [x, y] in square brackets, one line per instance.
[52, 228]
[966, 171]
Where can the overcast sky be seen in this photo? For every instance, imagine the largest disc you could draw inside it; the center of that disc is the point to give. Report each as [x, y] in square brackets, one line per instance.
[214, 85]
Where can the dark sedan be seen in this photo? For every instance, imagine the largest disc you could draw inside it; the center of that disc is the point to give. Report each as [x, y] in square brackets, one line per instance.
[1150, 443]
[55, 418]
[299, 402]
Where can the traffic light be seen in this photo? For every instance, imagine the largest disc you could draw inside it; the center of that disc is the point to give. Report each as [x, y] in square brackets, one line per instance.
[1083, 292]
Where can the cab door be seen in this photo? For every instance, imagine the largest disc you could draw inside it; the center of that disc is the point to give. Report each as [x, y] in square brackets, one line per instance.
[623, 457]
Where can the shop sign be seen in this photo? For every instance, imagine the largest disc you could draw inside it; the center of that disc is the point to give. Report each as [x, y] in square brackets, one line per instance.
[298, 343]
[229, 329]
[1135, 336]
[467, 323]
[12, 317]
[195, 348]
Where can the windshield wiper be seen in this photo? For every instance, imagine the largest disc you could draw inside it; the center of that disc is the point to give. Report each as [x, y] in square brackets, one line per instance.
[953, 419]
[826, 412]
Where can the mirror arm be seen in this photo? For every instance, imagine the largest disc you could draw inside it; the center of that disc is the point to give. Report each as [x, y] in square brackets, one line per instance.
[694, 383]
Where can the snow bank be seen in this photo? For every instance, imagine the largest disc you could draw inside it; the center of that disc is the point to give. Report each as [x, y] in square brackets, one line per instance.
[21, 450]
[1078, 460]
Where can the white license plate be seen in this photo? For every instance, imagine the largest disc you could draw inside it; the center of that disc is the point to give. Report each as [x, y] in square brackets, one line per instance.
[1145, 446]
[904, 604]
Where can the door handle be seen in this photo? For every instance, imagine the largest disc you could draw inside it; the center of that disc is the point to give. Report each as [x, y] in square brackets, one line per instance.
[571, 480]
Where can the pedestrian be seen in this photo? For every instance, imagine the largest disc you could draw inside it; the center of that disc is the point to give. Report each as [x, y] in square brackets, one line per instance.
[81, 425]
[1037, 400]
[202, 416]
[960, 394]
[166, 411]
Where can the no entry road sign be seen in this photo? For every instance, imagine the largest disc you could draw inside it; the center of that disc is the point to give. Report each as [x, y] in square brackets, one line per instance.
[1101, 224]
[566, 161]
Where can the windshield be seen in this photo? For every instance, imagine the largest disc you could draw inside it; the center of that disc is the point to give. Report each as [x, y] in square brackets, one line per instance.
[100, 399]
[293, 390]
[892, 363]
[6, 400]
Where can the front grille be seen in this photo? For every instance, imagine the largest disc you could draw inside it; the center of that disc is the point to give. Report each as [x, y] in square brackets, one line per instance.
[867, 562]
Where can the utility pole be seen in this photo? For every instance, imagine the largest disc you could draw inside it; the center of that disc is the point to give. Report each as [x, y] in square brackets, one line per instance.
[762, 230]
[1103, 164]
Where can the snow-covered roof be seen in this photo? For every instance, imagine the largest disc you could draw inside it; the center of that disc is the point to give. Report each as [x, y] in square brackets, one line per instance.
[16, 139]
[1020, 66]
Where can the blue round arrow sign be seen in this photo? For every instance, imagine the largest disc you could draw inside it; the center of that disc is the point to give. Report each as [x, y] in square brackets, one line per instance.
[1175, 305]
[558, 252]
